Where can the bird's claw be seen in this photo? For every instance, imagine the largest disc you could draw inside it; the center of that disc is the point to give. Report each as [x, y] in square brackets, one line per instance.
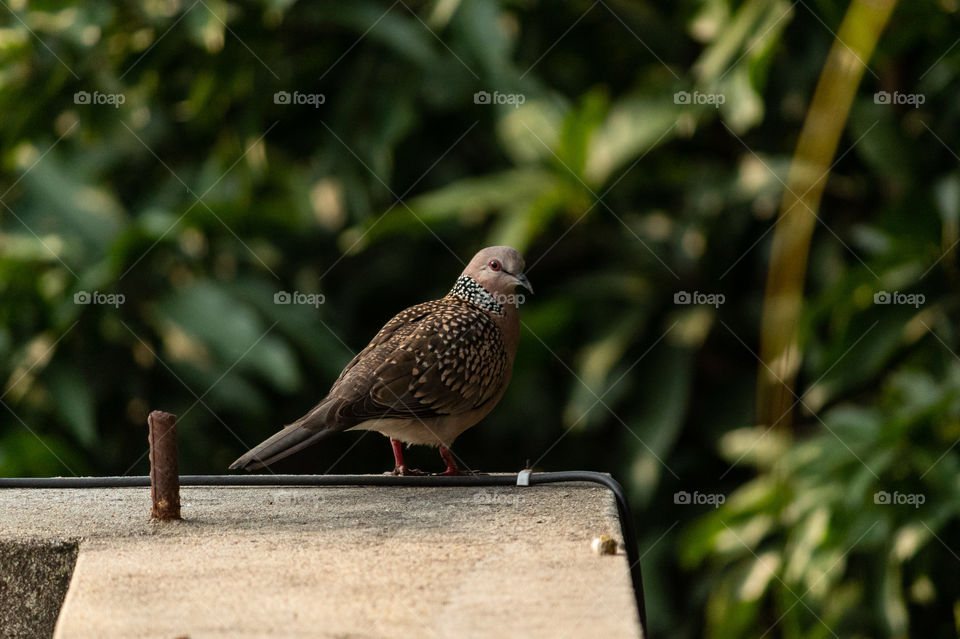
[403, 471]
[456, 472]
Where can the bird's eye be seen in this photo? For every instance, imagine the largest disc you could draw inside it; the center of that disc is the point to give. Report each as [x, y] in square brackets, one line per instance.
[494, 265]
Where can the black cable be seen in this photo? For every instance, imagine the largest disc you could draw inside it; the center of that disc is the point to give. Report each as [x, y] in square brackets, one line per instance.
[623, 507]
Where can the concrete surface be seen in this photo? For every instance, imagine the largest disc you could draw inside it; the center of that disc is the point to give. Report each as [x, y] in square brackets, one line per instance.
[33, 581]
[344, 562]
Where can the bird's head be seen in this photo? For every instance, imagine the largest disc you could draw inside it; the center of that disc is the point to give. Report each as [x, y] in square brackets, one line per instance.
[499, 269]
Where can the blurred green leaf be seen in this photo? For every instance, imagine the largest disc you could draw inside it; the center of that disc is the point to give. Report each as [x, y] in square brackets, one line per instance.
[74, 403]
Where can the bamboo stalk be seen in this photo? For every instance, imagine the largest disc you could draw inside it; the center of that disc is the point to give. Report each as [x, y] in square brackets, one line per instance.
[826, 119]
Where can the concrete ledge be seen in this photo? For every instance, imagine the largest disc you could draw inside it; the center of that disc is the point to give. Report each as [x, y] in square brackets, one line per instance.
[335, 561]
[34, 576]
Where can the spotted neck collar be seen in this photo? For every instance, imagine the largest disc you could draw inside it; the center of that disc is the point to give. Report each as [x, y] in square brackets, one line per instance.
[468, 289]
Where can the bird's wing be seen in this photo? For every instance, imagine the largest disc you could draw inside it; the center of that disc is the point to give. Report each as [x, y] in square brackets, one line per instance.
[398, 325]
[444, 357]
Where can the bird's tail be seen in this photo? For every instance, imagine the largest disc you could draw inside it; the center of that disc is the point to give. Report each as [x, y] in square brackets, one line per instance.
[286, 442]
[318, 424]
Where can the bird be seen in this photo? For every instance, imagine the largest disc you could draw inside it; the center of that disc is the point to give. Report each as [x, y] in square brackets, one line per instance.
[433, 371]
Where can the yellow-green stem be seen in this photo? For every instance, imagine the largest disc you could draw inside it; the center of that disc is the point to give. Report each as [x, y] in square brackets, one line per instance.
[826, 119]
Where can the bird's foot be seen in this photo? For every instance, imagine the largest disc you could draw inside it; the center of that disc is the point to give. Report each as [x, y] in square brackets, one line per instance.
[403, 471]
[399, 468]
[456, 472]
[452, 469]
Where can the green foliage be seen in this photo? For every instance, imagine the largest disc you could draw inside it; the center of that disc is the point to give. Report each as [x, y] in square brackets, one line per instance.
[851, 524]
[190, 205]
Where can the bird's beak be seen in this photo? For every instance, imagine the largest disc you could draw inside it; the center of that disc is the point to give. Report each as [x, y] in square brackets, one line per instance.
[524, 282]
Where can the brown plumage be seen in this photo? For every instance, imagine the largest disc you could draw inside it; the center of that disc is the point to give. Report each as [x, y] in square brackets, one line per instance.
[432, 371]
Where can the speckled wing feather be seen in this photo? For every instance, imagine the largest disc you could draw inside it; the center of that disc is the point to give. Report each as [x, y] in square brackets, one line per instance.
[443, 357]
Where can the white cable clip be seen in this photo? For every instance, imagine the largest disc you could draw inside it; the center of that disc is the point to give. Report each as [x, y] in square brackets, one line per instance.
[523, 477]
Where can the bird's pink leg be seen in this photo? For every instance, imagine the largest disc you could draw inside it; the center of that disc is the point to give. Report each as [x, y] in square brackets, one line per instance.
[399, 467]
[452, 468]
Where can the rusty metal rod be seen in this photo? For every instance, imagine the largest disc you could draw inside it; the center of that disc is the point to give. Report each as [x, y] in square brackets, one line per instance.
[164, 467]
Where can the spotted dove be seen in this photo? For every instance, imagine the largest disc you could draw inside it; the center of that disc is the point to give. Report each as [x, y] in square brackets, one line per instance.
[432, 372]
